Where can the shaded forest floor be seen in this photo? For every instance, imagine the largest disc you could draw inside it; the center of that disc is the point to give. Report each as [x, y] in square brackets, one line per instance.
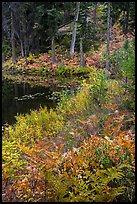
[64, 65]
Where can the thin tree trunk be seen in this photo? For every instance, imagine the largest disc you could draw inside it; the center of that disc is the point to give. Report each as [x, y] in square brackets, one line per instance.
[82, 61]
[36, 48]
[108, 42]
[127, 18]
[66, 13]
[25, 42]
[95, 21]
[21, 46]
[25, 50]
[86, 21]
[13, 38]
[74, 31]
[53, 50]
[21, 39]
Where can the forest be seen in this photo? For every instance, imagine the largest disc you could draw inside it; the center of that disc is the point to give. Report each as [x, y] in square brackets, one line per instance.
[68, 101]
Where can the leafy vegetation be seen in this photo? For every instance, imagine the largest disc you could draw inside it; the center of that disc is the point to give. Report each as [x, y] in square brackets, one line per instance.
[84, 149]
[41, 164]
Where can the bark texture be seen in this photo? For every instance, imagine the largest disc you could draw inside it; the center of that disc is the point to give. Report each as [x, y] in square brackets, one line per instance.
[53, 50]
[75, 30]
[82, 61]
[13, 38]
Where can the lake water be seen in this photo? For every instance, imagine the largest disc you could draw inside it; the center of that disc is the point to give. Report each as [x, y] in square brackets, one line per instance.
[22, 98]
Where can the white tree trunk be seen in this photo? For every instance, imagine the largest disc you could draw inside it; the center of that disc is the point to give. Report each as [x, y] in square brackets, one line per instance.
[75, 30]
[108, 42]
[53, 50]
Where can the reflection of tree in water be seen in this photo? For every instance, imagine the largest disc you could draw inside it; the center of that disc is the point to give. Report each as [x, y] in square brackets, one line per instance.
[7, 99]
[22, 97]
[7, 90]
[13, 91]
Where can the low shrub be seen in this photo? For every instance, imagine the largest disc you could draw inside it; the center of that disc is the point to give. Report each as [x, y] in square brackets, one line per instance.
[38, 166]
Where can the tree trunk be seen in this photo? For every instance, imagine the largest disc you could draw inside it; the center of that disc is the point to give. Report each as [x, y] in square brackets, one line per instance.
[95, 21]
[21, 38]
[13, 38]
[37, 46]
[82, 61]
[25, 50]
[25, 41]
[66, 13]
[108, 42]
[127, 18]
[53, 50]
[74, 31]
[21, 46]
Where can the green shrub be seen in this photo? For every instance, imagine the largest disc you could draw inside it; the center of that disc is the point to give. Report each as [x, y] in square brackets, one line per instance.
[98, 86]
[124, 61]
[68, 70]
[86, 187]
[100, 169]
[64, 70]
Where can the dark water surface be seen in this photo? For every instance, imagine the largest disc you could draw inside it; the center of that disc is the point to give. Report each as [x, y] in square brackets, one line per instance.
[22, 98]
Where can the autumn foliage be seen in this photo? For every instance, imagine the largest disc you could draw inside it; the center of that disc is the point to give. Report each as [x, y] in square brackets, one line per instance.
[71, 153]
[82, 151]
[42, 62]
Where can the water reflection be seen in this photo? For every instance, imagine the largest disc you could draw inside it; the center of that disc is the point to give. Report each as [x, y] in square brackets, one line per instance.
[12, 92]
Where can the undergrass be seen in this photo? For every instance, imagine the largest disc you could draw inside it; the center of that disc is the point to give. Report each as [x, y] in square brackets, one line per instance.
[81, 127]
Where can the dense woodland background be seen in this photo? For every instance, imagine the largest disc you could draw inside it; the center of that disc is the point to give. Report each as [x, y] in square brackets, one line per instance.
[30, 27]
[84, 149]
